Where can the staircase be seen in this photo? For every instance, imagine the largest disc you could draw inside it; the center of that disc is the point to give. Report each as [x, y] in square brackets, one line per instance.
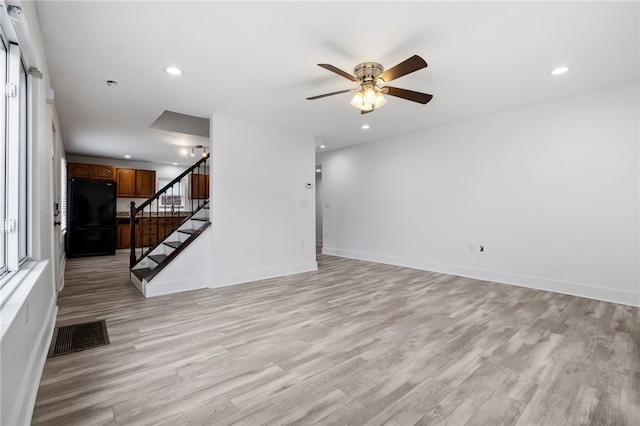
[165, 224]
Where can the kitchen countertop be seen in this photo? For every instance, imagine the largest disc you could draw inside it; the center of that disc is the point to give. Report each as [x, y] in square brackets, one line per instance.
[125, 215]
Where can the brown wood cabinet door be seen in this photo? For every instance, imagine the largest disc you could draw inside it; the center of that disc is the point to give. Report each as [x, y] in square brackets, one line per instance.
[199, 186]
[126, 183]
[101, 172]
[148, 231]
[164, 227]
[145, 183]
[124, 236]
[78, 170]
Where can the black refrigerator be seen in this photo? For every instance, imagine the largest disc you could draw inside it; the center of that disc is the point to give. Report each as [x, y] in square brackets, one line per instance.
[91, 212]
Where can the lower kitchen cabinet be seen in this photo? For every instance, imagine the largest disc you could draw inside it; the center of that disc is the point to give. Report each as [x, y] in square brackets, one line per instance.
[124, 236]
[148, 231]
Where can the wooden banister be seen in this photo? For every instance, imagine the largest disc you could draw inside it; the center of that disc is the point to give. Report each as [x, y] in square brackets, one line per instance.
[139, 212]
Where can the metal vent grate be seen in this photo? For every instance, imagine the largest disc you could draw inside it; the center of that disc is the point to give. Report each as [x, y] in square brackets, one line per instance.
[78, 337]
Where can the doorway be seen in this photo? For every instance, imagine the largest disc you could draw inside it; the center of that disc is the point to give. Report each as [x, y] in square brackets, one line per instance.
[318, 209]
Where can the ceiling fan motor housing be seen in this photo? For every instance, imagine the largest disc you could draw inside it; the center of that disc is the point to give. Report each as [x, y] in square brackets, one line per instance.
[367, 72]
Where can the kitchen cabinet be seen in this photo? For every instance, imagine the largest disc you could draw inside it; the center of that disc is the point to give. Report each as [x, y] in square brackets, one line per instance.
[91, 171]
[145, 183]
[126, 183]
[134, 183]
[149, 230]
[199, 186]
[124, 236]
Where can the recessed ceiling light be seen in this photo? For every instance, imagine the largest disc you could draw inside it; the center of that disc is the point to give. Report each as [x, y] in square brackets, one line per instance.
[559, 70]
[127, 156]
[318, 170]
[175, 164]
[322, 146]
[365, 127]
[173, 70]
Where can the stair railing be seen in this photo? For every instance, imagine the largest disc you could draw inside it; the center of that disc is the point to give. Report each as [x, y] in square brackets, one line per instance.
[170, 207]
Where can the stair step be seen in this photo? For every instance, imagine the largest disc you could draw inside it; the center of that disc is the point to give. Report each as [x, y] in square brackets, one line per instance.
[158, 257]
[187, 231]
[141, 273]
[172, 244]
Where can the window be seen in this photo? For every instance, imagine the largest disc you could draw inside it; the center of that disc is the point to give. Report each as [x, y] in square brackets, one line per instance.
[14, 156]
[22, 163]
[174, 197]
[3, 161]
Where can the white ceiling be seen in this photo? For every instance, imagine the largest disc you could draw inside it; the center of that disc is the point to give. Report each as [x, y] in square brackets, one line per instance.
[256, 61]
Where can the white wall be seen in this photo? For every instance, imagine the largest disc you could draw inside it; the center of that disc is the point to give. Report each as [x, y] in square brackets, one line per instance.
[551, 191]
[261, 212]
[28, 316]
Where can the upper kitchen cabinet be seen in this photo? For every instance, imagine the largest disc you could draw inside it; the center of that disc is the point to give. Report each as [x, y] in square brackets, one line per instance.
[199, 186]
[136, 183]
[91, 171]
[145, 183]
[126, 183]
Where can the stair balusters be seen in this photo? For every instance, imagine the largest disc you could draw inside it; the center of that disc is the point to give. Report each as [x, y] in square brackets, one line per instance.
[167, 201]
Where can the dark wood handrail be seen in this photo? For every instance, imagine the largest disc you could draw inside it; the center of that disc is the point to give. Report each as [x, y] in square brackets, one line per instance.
[133, 212]
[173, 182]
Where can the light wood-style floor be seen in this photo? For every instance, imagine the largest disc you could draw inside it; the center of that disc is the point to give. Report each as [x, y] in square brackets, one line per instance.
[354, 343]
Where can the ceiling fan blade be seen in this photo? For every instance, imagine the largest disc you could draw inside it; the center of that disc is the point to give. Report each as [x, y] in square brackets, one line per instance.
[410, 95]
[329, 94]
[339, 72]
[408, 66]
[365, 112]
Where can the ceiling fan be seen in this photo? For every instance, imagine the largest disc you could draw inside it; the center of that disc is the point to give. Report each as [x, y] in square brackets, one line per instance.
[372, 79]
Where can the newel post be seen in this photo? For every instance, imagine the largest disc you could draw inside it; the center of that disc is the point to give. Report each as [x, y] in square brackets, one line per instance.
[132, 222]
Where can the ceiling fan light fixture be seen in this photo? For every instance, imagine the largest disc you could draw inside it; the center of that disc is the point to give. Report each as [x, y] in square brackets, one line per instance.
[369, 95]
[358, 100]
[368, 98]
[371, 78]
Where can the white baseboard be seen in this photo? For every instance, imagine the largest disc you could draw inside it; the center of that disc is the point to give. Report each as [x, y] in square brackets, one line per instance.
[538, 283]
[262, 274]
[161, 288]
[136, 282]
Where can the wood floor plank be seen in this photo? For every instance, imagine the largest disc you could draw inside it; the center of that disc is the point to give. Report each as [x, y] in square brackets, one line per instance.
[352, 343]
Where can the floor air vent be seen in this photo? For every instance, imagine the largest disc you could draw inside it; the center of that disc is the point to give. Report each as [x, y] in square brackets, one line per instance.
[78, 337]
